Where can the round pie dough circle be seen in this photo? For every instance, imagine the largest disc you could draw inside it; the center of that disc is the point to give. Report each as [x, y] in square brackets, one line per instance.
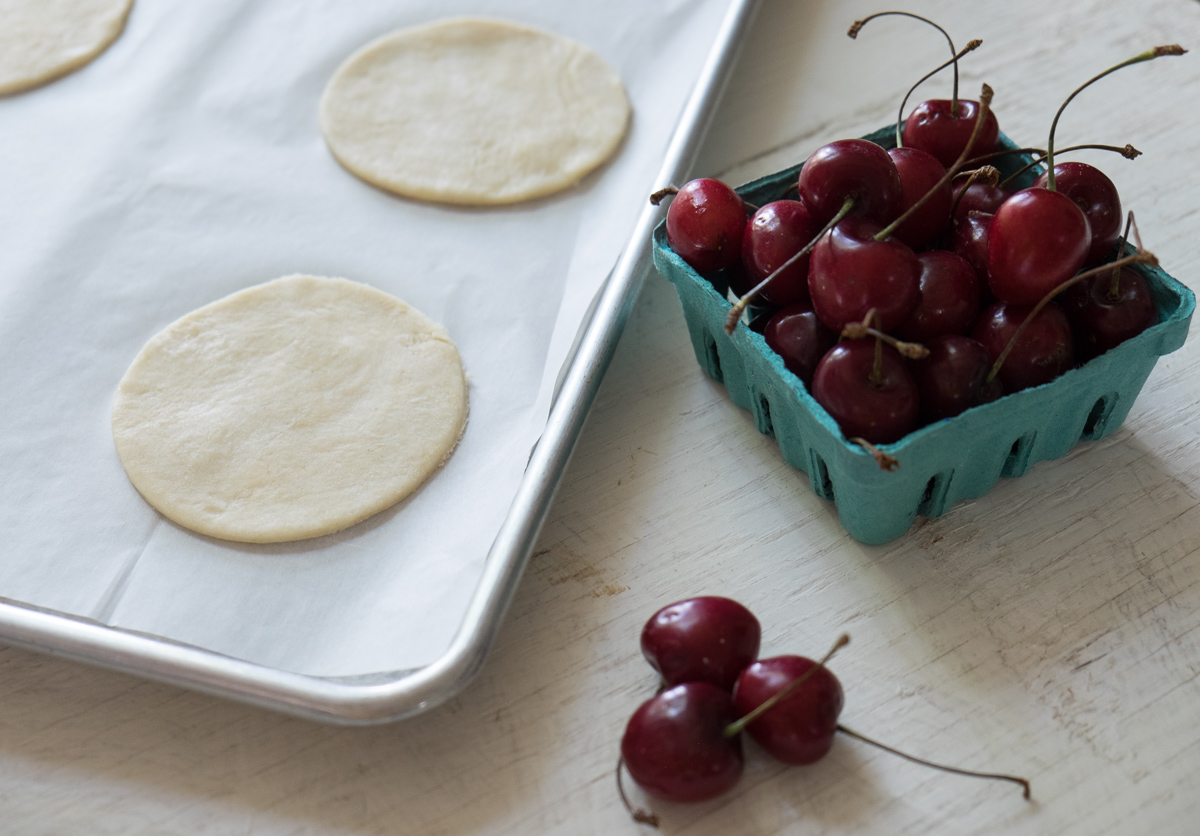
[41, 40]
[473, 111]
[289, 410]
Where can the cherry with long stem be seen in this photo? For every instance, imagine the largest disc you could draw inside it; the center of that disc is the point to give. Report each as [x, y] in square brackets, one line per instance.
[737, 726]
[1040, 236]
[735, 313]
[974, 44]
[1137, 258]
[985, 103]
[792, 754]
[1148, 55]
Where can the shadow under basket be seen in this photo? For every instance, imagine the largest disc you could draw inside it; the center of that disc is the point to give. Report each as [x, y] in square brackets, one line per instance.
[941, 463]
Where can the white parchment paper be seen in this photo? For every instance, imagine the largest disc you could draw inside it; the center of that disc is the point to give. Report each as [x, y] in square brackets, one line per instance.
[187, 163]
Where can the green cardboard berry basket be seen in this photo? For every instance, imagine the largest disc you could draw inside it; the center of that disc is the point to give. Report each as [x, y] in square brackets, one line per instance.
[941, 463]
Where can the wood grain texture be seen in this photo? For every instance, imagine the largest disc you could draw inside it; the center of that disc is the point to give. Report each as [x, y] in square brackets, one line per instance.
[1050, 628]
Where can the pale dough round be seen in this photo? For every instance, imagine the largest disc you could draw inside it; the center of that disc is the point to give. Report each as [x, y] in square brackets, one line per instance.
[41, 40]
[473, 111]
[289, 410]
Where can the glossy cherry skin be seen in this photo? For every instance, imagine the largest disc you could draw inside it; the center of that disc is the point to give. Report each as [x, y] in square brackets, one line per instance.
[880, 412]
[798, 336]
[674, 744]
[953, 377]
[777, 232]
[1037, 240]
[851, 273]
[800, 728]
[949, 298]
[1097, 197]
[934, 128]
[1045, 349]
[851, 168]
[1101, 319]
[706, 639]
[919, 173]
[970, 240]
[705, 225]
[979, 197]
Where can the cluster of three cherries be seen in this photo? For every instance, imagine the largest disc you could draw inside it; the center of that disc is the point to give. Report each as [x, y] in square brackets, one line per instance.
[684, 744]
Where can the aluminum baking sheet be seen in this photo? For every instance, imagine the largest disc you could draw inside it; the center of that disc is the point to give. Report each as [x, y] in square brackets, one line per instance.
[186, 163]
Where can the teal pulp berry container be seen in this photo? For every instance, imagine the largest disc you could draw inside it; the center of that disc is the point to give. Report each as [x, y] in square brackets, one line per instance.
[939, 464]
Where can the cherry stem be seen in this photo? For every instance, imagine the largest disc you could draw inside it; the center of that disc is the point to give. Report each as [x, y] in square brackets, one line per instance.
[639, 815]
[1148, 55]
[737, 726]
[857, 26]
[859, 330]
[1137, 258]
[657, 197]
[988, 174]
[1127, 151]
[985, 105]
[1004, 152]
[735, 313]
[995, 776]
[875, 378]
[885, 462]
[1114, 287]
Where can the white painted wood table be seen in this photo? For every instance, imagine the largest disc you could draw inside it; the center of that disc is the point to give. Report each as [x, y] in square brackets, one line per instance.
[1051, 628]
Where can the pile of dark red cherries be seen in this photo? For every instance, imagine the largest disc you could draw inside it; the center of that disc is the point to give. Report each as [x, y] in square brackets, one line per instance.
[994, 291]
[684, 744]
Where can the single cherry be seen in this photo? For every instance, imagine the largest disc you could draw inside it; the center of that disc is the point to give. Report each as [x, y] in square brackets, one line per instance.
[798, 336]
[705, 639]
[949, 302]
[978, 197]
[953, 378]
[705, 224]
[970, 240]
[777, 232]
[1043, 351]
[1097, 197]
[1104, 313]
[876, 402]
[936, 127]
[1037, 240]
[851, 168]
[852, 273]
[920, 173]
[800, 728]
[675, 745]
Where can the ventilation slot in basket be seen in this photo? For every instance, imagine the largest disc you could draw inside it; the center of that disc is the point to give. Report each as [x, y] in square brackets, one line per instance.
[1097, 419]
[819, 475]
[933, 502]
[713, 361]
[1018, 457]
[762, 415]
